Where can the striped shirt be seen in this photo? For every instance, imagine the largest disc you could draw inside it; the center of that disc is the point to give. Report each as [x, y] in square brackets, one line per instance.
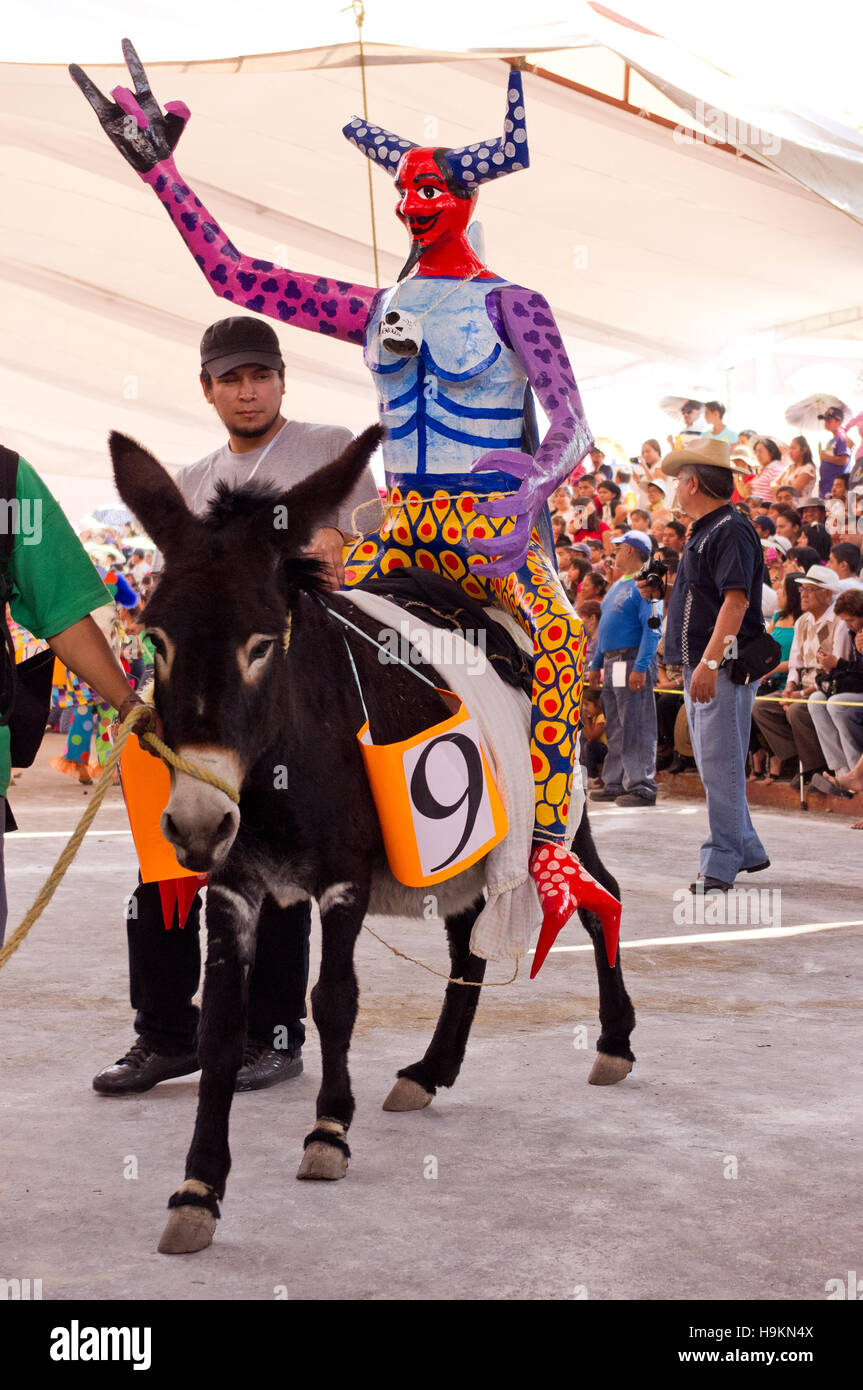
[761, 485]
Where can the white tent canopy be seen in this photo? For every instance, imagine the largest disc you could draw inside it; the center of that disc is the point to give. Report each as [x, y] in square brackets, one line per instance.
[650, 246]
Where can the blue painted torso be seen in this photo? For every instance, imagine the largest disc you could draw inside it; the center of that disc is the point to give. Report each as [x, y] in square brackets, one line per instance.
[461, 396]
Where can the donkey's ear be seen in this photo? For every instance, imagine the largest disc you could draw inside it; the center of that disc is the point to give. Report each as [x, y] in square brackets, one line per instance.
[149, 492]
[322, 492]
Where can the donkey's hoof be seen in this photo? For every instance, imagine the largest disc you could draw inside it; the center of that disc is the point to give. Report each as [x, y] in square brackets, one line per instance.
[322, 1160]
[408, 1095]
[188, 1229]
[606, 1070]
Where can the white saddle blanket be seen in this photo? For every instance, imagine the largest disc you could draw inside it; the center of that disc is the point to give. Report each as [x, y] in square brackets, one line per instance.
[512, 914]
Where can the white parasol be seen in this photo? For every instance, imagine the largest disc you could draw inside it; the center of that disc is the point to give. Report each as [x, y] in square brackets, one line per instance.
[804, 414]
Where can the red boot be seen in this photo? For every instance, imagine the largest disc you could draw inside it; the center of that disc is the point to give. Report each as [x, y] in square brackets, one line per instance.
[563, 885]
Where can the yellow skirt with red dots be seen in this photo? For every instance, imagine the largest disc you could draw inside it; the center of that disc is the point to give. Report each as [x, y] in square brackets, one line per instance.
[433, 528]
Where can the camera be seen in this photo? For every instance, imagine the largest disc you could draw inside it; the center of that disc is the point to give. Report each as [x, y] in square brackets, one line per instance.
[654, 572]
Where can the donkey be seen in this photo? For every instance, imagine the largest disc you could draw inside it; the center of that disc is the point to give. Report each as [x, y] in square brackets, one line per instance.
[253, 682]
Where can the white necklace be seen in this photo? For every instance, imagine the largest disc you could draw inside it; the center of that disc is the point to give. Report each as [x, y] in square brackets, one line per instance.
[401, 333]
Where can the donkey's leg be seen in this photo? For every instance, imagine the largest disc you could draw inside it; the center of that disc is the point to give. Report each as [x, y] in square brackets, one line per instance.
[334, 1009]
[232, 915]
[416, 1085]
[616, 1015]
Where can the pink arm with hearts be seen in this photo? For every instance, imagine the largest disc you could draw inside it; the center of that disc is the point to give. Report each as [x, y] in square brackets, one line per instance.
[336, 308]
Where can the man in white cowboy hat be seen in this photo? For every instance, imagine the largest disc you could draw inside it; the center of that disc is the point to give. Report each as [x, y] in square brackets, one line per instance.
[716, 600]
[787, 727]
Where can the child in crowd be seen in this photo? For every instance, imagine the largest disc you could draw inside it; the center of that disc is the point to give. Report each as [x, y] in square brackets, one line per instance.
[593, 744]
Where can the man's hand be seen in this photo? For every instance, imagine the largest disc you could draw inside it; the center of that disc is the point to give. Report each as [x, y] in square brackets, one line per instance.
[702, 686]
[858, 641]
[791, 693]
[327, 545]
[134, 121]
[152, 723]
[636, 680]
[594, 678]
[826, 660]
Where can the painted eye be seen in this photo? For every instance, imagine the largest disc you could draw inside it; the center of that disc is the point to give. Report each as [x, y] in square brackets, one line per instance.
[158, 645]
[428, 192]
[261, 649]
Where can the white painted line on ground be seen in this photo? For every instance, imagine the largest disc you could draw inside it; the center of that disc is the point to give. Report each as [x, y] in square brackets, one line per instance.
[755, 934]
[57, 835]
[630, 810]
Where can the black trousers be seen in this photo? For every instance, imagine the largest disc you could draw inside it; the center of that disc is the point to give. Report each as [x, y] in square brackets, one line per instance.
[165, 968]
[667, 707]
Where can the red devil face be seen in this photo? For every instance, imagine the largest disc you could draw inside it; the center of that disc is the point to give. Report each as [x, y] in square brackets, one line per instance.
[429, 209]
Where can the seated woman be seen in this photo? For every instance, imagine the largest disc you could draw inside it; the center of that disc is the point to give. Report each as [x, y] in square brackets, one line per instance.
[781, 628]
[800, 472]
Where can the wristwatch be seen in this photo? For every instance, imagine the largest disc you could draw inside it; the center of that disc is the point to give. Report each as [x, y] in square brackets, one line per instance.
[711, 665]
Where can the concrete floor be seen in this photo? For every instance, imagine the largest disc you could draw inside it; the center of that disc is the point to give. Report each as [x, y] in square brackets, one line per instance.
[748, 1060]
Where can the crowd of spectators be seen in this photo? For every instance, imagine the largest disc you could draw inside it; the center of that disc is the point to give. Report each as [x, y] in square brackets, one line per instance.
[613, 518]
[123, 561]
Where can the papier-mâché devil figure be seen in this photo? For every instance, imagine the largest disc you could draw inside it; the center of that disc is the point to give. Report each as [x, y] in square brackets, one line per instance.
[451, 349]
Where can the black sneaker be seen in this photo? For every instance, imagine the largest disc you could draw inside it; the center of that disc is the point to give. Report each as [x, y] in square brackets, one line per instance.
[265, 1066]
[141, 1069]
[604, 794]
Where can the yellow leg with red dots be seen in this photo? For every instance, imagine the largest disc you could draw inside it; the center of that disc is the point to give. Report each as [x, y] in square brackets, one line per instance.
[434, 529]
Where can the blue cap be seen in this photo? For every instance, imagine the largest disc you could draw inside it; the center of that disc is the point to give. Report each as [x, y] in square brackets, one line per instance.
[639, 540]
[765, 523]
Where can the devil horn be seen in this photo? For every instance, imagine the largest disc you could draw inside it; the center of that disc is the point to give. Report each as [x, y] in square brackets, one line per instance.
[491, 159]
[379, 145]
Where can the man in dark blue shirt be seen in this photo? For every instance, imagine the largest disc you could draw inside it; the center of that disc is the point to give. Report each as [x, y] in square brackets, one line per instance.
[715, 604]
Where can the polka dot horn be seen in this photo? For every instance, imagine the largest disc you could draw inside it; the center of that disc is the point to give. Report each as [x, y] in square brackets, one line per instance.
[471, 164]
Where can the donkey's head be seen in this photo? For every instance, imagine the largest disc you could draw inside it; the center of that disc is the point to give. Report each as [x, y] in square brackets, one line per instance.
[218, 622]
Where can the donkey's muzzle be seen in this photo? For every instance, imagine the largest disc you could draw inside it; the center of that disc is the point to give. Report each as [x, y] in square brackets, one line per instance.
[200, 820]
[199, 846]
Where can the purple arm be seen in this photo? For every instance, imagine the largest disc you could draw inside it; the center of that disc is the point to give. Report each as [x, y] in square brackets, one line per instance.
[333, 307]
[528, 323]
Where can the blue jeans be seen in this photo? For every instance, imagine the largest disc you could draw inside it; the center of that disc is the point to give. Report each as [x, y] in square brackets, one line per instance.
[630, 731]
[720, 742]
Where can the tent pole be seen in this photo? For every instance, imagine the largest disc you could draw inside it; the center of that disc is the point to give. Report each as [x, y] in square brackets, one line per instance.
[360, 15]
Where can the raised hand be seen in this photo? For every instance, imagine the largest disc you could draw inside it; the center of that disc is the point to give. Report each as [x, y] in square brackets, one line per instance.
[134, 121]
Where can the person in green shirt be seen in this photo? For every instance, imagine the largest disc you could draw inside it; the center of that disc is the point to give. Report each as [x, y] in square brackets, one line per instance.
[54, 591]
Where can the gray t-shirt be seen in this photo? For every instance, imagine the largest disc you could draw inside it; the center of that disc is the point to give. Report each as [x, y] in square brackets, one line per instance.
[297, 451]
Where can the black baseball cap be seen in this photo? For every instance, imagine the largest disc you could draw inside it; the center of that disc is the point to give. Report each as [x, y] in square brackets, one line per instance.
[832, 413]
[239, 342]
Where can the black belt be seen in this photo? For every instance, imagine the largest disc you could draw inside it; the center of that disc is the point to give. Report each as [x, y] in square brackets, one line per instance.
[621, 652]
